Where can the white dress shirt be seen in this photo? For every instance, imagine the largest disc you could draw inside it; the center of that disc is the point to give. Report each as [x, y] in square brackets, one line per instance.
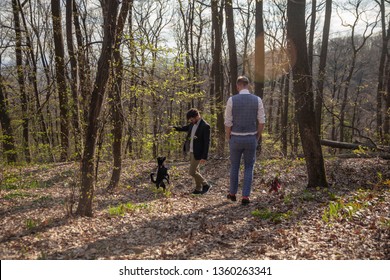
[193, 131]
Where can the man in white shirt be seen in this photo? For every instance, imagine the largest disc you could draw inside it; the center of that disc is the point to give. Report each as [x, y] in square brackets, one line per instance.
[244, 124]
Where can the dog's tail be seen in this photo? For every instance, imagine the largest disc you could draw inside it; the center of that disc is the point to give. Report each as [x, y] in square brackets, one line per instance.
[151, 177]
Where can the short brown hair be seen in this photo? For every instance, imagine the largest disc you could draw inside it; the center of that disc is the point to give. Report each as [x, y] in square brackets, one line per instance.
[242, 79]
[192, 113]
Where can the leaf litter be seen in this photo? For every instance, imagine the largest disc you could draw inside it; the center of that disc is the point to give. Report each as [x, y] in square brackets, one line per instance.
[349, 220]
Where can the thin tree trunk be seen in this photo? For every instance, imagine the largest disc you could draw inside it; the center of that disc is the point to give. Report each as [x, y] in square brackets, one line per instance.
[322, 66]
[75, 109]
[381, 89]
[5, 120]
[284, 121]
[32, 75]
[20, 73]
[84, 67]
[218, 74]
[311, 34]
[232, 45]
[259, 51]
[386, 124]
[60, 77]
[110, 10]
[133, 97]
[115, 97]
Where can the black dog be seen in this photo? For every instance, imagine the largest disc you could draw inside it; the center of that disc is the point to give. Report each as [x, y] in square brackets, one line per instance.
[162, 174]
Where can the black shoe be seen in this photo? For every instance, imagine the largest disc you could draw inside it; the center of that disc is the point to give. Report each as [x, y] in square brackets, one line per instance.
[206, 188]
[197, 192]
[245, 201]
[232, 197]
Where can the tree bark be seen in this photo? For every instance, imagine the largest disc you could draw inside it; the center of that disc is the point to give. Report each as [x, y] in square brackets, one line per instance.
[75, 108]
[303, 93]
[32, 76]
[259, 51]
[5, 120]
[115, 97]
[284, 118]
[386, 124]
[381, 89]
[311, 34]
[21, 82]
[232, 45]
[85, 87]
[322, 66]
[217, 19]
[110, 10]
[344, 145]
[60, 78]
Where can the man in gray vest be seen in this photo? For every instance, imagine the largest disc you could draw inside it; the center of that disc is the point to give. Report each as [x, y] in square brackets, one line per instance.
[244, 124]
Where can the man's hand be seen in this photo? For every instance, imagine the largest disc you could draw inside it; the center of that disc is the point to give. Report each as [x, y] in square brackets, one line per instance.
[203, 161]
[228, 131]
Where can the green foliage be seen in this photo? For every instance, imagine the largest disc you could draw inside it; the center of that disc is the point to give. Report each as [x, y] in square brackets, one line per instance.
[14, 182]
[287, 199]
[121, 209]
[263, 214]
[16, 194]
[361, 151]
[332, 196]
[160, 191]
[10, 183]
[307, 195]
[381, 182]
[275, 217]
[343, 209]
[43, 199]
[31, 223]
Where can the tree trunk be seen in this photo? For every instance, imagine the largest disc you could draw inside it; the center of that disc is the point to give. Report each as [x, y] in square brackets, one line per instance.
[284, 120]
[311, 34]
[218, 74]
[5, 120]
[84, 67]
[75, 109]
[232, 45]
[133, 97]
[60, 77]
[115, 97]
[32, 76]
[386, 124]
[322, 66]
[20, 73]
[259, 51]
[303, 93]
[344, 145]
[110, 9]
[381, 89]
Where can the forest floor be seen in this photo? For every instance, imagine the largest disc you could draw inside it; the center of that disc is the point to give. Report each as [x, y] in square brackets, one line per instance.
[349, 220]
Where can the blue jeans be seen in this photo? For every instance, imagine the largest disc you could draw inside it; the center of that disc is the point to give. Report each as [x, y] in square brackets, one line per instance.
[242, 146]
